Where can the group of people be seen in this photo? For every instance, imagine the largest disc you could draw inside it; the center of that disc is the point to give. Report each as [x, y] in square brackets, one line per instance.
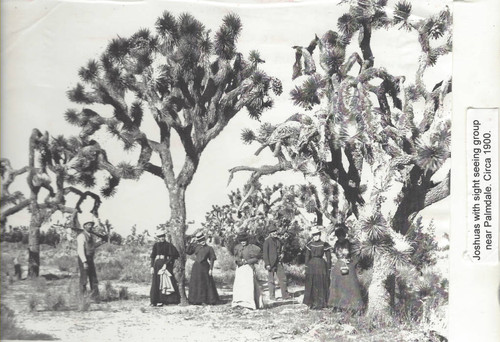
[326, 285]
[164, 288]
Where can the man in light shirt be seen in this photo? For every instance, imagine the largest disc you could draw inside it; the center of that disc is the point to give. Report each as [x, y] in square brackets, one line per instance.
[86, 247]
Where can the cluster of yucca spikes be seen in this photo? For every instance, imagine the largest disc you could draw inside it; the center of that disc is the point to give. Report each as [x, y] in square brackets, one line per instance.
[187, 78]
[374, 134]
[190, 80]
[58, 165]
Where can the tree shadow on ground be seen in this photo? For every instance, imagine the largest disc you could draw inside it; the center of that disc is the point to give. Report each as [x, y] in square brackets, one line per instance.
[50, 276]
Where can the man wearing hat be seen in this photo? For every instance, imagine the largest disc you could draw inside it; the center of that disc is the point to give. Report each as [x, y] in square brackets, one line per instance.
[202, 288]
[86, 247]
[273, 252]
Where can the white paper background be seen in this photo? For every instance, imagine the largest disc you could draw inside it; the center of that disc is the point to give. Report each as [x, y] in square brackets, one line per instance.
[474, 289]
[29, 36]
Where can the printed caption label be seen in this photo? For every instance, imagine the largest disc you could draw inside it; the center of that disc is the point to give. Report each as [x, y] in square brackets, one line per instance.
[482, 184]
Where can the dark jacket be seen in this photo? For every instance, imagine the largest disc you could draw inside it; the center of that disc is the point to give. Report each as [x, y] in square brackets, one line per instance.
[272, 250]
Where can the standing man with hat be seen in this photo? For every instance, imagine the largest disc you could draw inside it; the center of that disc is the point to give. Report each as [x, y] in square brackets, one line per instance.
[202, 288]
[86, 247]
[273, 255]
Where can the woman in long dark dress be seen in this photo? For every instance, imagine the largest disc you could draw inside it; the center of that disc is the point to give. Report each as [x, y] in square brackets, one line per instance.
[202, 288]
[345, 291]
[163, 257]
[317, 277]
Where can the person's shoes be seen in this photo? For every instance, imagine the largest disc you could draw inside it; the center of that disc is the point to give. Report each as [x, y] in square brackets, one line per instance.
[152, 304]
[159, 304]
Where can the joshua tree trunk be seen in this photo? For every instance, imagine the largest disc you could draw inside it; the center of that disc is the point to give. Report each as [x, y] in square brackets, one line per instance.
[378, 298]
[178, 221]
[34, 242]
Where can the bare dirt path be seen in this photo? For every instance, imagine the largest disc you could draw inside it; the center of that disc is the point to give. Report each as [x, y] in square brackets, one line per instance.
[134, 320]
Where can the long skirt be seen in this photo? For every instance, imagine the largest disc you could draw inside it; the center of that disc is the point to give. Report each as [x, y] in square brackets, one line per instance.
[156, 296]
[246, 289]
[345, 291]
[201, 285]
[316, 287]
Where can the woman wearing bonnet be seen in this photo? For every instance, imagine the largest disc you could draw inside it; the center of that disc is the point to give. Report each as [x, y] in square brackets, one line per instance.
[164, 289]
[202, 288]
[317, 277]
[345, 291]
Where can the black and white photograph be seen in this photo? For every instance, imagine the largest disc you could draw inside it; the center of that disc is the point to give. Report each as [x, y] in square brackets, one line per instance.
[228, 170]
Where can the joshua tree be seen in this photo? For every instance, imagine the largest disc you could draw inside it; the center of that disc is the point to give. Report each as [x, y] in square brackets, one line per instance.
[191, 82]
[56, 165]
[10, 203]
[372, 131]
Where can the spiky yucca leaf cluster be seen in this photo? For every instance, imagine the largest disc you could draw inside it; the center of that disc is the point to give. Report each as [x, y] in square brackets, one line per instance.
[402, 12]
[161, 65]
[309, 93]
[248, 136]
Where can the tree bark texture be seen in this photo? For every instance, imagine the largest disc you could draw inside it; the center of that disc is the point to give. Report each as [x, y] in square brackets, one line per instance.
[378, 298]
[178, 221]
[34, 242]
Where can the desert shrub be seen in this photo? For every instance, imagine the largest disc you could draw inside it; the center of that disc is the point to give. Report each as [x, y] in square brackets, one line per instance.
[15, 235]
[136, 239]
[260, 271]
[10, 330]
[424, 244]
[123, 293]
[224, 266]
[109, 293]
[110, 270]
[417, 295]
[33, 302]
[295, 274]
[8, 320]
[50, 237]
[225, 261]
[65, 263]
[116, 239]
[137, 270]
[55, 300]
[83, 302]
[223, 278]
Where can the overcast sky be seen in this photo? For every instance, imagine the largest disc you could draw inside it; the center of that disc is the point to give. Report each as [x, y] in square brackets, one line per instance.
[45, 42]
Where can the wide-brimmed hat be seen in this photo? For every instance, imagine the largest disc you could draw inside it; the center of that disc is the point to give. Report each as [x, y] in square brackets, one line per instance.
[242, 237]
[272, 229]
[200, 236]
[160, 232]
[316, 230]
[85, 218]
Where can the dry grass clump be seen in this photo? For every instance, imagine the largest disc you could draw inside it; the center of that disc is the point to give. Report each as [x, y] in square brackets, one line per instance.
[295, 274]
[112, 259]
[55, 300]
[66, 263]
[224, 266]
